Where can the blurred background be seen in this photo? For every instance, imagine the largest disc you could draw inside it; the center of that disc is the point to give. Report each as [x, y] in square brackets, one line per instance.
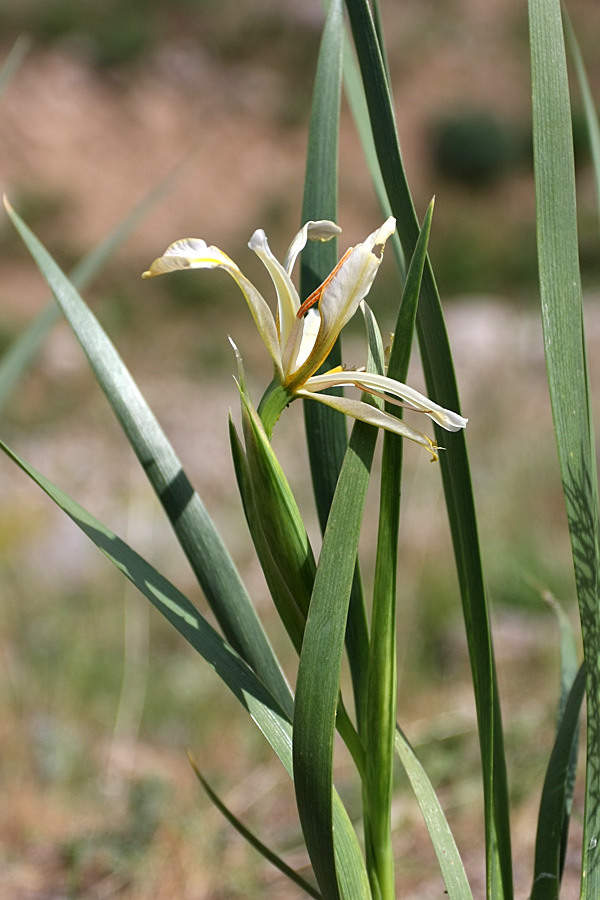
[99, 699]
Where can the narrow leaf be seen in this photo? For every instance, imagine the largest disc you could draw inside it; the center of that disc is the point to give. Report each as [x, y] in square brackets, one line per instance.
[380, 733]
[549, 844]
[326, 430]
[562, 320]
[589, 107]
[19, 357]
[251, 838]
[452, 869]
[228, 665]
[441, 387]
[320, 662]
[194, 528]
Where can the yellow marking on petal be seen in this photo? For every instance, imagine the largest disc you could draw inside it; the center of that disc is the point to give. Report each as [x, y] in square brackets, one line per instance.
[316, 295]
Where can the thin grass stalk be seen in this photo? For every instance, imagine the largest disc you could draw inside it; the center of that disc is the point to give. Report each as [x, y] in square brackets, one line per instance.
[326, 430]
[228, 665]
[380, 735]
[194, 528]
[562, 320]
[441, 384]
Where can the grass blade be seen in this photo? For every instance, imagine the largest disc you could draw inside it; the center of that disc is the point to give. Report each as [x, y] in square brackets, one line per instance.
[195, 530]
[227, 664]
[326, 431]
[380, 733]
[441, 386]
[180, 612]
[325, 428]
[562, 320]
[18, 358]
[452, 869]
[317, 684]
[589, 107]
[555, 803]
[251, 838]
[13, 61]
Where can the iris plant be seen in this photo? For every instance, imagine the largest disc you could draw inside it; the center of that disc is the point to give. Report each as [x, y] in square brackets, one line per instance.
[301, 335]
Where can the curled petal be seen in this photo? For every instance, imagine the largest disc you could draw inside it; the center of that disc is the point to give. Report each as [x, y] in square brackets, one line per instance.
[372, 415]
[389, 389]
[190, 253]
[193, 253]
[288, 302]
[322, 230]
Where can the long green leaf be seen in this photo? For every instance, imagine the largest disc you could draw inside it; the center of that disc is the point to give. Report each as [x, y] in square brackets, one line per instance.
[326, 428]
[228, 665]
[18, 358]
[591, 113]
[193, 526]
[452, 869]
[562, 320]
[441, 386]
[251, 838]
[549, 844]
[380, 733]
[320, 662]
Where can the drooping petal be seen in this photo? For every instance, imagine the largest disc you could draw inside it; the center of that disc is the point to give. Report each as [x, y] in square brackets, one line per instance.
[358, 409]
[342, 293]
[189, 253]
[288, 302]
[382, 385]
[194, 253]
[323, 230]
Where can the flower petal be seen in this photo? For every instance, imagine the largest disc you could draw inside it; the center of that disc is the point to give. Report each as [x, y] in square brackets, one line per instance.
[301, 341]
[193, 253]
[288, 302]
[322, 230]
[342, 293]
[358, 409]
[381, 384]
[352, 281]
[189, 253]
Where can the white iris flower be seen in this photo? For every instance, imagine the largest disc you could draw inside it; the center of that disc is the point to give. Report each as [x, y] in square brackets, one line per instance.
[301, 335]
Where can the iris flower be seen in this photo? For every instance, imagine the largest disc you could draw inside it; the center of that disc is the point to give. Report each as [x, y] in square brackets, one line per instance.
[300, 336]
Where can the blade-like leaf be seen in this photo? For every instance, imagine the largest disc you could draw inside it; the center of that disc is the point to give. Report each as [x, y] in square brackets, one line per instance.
[325, 428]
[193, 526]
[228, 665]
[320, 662]
[292, 617]
[589, 107]
[326, 432]
[382, 681]
[251, 838]
[18, 358]
[562, 320]
[441, 387]
[452, 869]
[555, 802]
